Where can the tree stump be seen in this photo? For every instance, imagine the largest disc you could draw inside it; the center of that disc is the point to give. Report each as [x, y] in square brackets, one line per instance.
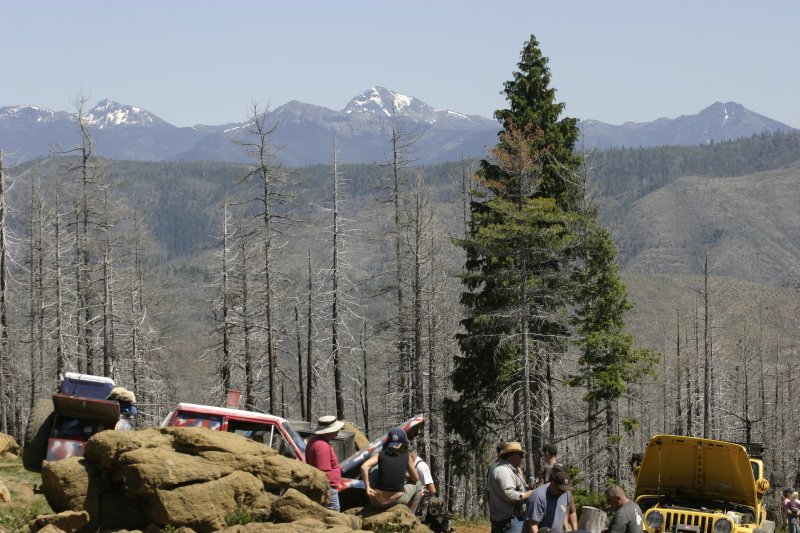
[592, 519]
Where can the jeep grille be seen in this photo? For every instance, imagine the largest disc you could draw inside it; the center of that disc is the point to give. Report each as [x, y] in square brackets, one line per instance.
[679, 522]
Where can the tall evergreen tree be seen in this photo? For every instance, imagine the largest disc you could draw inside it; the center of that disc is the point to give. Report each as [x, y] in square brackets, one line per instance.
[539, 276]
[519, 251]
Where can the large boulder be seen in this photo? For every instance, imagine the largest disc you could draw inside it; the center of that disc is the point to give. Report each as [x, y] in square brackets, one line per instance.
[305, 525]
[183, 477]
[8, 446]
[195, 479]
[294, 506]
[77, 484]
[204, 506]
[72, 484]
[396, 518]
[143, 461]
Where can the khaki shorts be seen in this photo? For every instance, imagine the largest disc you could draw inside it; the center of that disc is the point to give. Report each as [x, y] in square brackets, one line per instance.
[386, 499]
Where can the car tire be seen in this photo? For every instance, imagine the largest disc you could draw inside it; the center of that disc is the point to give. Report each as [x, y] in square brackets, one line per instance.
[37, 433]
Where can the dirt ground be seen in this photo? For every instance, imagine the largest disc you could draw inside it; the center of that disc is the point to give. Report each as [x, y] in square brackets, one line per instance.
[472, 529]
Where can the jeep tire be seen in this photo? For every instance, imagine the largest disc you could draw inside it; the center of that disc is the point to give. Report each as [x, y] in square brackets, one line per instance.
[37, 433]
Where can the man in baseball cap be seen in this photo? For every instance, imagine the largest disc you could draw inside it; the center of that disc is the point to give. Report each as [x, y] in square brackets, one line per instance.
[572, 513]
[547, 506]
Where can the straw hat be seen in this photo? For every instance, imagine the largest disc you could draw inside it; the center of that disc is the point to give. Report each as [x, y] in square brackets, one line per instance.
[328, 424]
[512, 447]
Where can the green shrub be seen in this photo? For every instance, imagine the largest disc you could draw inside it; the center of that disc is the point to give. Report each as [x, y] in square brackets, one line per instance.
[592, 499]
[239, 517]
[395, 525]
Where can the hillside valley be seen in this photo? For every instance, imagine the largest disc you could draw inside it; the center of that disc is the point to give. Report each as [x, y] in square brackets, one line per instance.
[663, 223]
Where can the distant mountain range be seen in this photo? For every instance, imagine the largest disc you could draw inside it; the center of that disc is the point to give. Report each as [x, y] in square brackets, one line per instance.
[306, 132]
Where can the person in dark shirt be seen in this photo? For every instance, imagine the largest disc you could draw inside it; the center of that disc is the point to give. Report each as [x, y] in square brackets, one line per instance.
[627, 515]
[388, 487]
[550, 453]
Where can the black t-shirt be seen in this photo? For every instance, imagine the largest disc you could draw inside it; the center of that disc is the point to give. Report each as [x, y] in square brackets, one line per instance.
[546, 472]
[627, 519]
[392, 467]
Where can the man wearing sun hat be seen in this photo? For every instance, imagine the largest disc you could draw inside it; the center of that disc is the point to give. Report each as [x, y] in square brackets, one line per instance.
[507, 491]
[320, 454]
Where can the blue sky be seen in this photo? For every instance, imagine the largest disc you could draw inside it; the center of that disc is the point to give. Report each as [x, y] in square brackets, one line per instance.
[205, 62]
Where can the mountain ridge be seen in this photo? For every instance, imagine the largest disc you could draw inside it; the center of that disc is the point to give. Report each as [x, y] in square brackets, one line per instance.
[361, 128]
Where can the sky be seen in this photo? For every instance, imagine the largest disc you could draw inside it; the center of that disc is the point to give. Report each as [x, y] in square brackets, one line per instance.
[206, 62]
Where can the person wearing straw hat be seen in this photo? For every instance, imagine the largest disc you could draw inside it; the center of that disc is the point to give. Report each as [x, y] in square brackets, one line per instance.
[320, 455]
[507, 491]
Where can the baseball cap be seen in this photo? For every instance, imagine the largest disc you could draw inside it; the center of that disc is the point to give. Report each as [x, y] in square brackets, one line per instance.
[396, 438]
[561, 480]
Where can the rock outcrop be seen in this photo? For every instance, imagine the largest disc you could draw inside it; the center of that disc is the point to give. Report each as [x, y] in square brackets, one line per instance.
[66, 521]
[360, 440]
[8, 446]
[195, 479]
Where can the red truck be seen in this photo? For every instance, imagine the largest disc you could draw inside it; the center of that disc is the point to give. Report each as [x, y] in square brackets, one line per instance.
[58, 427]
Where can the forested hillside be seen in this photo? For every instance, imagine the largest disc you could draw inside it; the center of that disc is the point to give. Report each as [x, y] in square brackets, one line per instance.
[338, 289]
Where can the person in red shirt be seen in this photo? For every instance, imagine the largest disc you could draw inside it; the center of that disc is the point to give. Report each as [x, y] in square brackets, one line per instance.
[320, 455]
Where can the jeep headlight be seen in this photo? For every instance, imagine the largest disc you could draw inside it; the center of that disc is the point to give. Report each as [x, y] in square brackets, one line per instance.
[655, 520]
[723, 526]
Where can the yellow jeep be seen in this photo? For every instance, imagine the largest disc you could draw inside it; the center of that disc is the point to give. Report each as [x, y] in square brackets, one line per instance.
[694, 485]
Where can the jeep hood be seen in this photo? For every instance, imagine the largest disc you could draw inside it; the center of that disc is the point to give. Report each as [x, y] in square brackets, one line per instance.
[687, 466]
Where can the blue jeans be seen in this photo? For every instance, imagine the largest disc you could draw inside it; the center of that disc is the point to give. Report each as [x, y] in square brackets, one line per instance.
[333, 501]
[793, 526]
[510, 525]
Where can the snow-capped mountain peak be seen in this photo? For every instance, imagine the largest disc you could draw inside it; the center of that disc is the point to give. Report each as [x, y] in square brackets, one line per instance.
[28, 113]
[110, 113]
[380, 101]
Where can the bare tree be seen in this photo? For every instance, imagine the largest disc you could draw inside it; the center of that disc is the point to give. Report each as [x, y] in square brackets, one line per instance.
[6, 396]
[402, 140]
[309, 345]
[266, 171]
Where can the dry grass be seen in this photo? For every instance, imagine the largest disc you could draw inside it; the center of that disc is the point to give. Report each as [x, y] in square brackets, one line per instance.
[25, 503]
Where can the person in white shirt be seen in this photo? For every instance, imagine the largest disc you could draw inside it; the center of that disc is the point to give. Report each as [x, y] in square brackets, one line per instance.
[423, 471]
